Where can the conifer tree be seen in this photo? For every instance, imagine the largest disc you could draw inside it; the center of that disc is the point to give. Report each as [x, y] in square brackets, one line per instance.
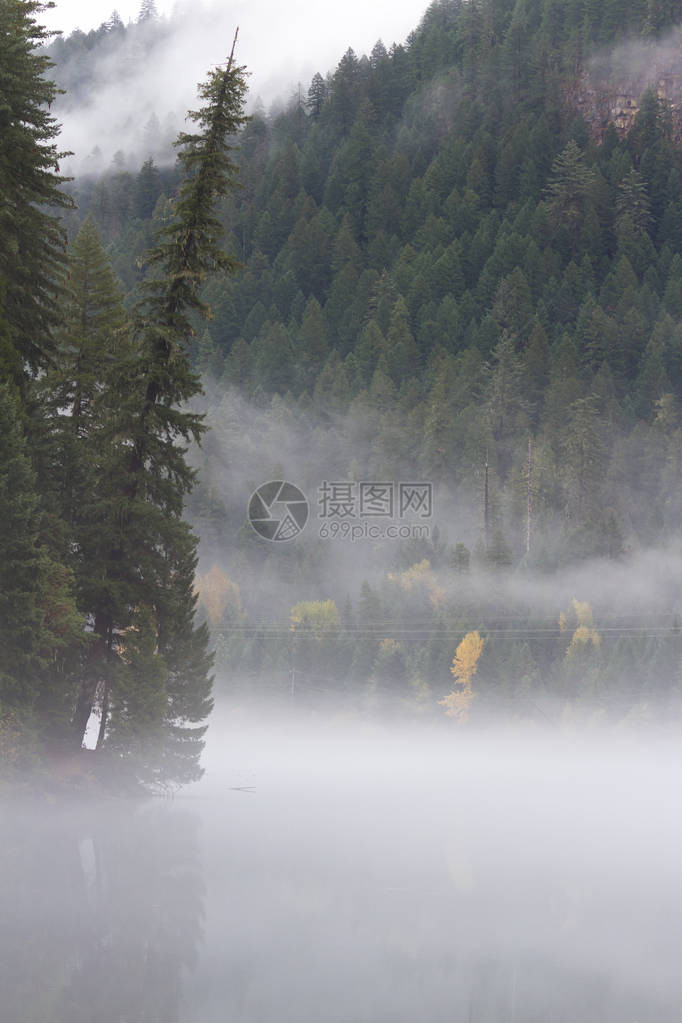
[506, 406]
[41, 633]
[147, 553]
[147, 189]
[20, 563]
[400, 347]
[79, 400]
[148, 11]
[632, 202]
[76, 389]
[568, 192]
[312, 346]
[33, 239]
[317, 94]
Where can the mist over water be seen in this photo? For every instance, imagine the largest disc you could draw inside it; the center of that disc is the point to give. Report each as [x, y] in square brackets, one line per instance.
[416, 875]
[324, 869]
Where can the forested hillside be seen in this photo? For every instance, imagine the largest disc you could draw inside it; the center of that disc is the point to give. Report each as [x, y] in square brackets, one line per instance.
[435, 224]
[448, 269]
[450, 272]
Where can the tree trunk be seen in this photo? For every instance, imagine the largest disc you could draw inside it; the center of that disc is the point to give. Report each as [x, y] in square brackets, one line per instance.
[101, 735]
[95, 672]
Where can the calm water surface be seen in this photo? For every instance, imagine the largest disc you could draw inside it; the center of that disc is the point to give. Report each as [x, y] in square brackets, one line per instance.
[350, 873]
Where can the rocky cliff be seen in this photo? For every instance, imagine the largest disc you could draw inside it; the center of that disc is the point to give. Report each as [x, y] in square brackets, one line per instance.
[610, 91]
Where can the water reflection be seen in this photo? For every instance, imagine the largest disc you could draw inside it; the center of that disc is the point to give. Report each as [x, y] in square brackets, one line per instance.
[354, 880]
[375, 880]
[101, 911]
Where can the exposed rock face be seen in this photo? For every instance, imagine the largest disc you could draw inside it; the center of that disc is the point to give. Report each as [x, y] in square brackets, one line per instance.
[610, 92]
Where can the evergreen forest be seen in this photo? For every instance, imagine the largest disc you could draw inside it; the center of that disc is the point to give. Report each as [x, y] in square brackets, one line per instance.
[432, 263]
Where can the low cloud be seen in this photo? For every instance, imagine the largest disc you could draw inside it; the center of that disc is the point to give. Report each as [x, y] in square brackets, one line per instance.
[154, 74]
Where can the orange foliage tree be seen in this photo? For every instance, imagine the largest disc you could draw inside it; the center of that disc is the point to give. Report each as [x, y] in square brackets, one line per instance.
[464, 667]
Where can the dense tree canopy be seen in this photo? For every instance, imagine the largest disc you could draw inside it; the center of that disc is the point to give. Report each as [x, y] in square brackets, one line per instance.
[445, 263]
[97, 603]
[33, 238]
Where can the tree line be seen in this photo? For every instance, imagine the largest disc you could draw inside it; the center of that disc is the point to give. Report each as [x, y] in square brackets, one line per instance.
[442, 268]
[97, 562]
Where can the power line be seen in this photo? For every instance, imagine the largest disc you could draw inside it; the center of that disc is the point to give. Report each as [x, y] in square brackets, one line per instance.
[420, 631]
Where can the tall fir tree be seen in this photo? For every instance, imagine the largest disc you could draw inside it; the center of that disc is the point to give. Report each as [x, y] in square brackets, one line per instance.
[77, 388]
[42, 633]
[20, 561]
[147, 552]
[33, 238]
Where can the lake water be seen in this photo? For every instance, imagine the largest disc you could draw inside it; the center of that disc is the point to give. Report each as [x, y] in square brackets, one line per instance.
[352, 873]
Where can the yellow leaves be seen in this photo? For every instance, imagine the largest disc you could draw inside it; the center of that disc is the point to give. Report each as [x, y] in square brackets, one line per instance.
[412, 576]
[583, 613]
[464, 667]
[314, 616]
[419, 577]
[465, 661]
[143, 620]
[582, 637]
[457, 704]
[585, 633]
[217, 593]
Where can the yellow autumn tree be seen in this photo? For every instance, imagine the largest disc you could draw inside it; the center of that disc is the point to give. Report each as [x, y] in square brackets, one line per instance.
[315, 616]
[464, 667]
[419, 577]
[585, 633]
[217, 593]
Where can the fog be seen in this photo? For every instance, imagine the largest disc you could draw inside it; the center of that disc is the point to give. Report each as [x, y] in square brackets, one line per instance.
[638, 63]
[336, 872]
[281, 46]
[248, 444]
[128, 86]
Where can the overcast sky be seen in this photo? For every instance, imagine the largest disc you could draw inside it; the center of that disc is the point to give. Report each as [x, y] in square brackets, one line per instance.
[299, 36]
